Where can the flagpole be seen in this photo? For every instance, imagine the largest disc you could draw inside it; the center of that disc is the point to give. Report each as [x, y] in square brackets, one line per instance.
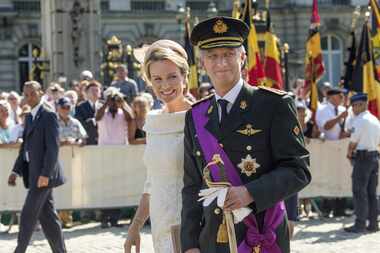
[286, 66]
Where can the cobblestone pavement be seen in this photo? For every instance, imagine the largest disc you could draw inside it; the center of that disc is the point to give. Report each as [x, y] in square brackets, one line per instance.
[312, 236]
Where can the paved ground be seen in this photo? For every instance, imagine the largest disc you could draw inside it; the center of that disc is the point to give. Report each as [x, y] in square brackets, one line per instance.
[312, 236]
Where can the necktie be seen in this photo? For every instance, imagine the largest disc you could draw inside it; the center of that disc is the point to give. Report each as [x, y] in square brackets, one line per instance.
[223, 106]
[341, 123]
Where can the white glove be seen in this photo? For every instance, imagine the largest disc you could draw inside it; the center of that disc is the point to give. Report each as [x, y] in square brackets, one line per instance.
[220, 193]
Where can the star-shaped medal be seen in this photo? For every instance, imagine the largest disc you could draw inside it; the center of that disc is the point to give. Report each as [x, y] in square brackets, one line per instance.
[248, 165]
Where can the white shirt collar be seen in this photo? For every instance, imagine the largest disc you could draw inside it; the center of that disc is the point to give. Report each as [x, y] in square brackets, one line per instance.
[36, 109]
[233, 93]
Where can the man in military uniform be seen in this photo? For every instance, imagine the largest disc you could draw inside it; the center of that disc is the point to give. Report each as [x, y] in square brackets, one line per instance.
[253, 135]
[363, 152]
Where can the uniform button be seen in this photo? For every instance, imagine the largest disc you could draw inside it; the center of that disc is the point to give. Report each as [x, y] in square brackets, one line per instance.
[198, 153]
[217, 211]
[221, 145]
[249, 148]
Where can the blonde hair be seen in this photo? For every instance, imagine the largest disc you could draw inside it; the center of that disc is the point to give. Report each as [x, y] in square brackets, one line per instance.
[6, 105]
[34, 85]
[166, 50]
[142, 99]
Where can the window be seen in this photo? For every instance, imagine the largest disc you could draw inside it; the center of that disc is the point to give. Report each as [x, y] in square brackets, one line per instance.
[332, 58]
[28, 56]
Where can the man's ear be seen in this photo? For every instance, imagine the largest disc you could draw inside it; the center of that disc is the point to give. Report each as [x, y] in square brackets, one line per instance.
[243, 56]
[202, 62]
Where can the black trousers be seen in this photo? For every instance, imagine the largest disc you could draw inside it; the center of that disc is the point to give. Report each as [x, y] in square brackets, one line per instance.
[39, 205]
[364, 184]
[111, 215]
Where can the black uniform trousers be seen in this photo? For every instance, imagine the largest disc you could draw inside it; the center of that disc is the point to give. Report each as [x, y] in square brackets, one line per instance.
[364, 184]
[39, 205]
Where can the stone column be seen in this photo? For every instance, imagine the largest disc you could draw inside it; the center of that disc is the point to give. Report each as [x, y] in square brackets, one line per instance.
[71, 37]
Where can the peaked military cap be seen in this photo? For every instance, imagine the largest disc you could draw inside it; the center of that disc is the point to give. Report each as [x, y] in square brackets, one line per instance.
[219, 32]
[359, 97]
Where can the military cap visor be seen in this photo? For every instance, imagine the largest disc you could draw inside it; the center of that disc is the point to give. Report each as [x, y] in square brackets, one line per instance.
[219, 32]
[335, 91]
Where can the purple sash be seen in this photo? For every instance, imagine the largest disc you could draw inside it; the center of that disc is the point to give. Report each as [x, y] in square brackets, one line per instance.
[273, 216]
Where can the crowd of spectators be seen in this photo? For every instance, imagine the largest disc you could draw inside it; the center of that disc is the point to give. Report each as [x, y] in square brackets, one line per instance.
[91, 113]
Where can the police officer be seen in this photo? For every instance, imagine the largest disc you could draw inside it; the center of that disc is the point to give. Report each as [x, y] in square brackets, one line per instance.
[363, 151]
[256, 133]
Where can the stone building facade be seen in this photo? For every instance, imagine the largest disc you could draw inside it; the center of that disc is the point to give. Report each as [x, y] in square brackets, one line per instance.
[23, 26]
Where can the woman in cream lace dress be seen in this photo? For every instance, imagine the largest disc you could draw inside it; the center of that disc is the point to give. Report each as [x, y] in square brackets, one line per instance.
[166, 69]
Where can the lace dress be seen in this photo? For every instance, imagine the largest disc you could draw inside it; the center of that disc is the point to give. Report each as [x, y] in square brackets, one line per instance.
[163, 158]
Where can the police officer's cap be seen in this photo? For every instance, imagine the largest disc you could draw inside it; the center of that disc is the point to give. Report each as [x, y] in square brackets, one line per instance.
[335, 91]
[219, 32]
[359, 97]
[63, 102]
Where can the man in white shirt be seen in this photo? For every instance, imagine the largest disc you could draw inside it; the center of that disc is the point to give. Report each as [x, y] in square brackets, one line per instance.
[363, 152]
[330, 119]
[330, 116]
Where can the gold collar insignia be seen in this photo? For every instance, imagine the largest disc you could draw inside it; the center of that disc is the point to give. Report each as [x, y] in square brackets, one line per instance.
[243, 105]
[210, 109]
[296, 130]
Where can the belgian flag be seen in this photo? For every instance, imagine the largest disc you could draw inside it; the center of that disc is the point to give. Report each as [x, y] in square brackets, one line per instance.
[314, 68]
[272, 62]
[193, 75]
[364, 76]
[256, 73]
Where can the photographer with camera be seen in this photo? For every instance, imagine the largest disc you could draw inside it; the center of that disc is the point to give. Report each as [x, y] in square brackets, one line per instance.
[113, 118]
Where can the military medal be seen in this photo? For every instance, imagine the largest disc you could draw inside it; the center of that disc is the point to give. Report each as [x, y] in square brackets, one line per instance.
[248, 165]
[249, 130]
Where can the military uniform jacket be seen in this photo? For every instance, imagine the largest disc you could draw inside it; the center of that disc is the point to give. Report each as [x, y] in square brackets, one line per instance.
[262, 123]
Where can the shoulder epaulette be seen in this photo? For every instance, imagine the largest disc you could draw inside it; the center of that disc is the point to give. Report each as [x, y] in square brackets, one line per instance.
[273, 90]
[203, 99]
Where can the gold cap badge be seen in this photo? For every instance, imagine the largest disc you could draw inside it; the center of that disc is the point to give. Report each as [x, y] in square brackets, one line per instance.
[220, 27]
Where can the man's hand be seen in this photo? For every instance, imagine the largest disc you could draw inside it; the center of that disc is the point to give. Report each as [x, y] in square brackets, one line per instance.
[12, 179]
[193, 251]
[237, 197]
[344, 114]
[42, 182]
